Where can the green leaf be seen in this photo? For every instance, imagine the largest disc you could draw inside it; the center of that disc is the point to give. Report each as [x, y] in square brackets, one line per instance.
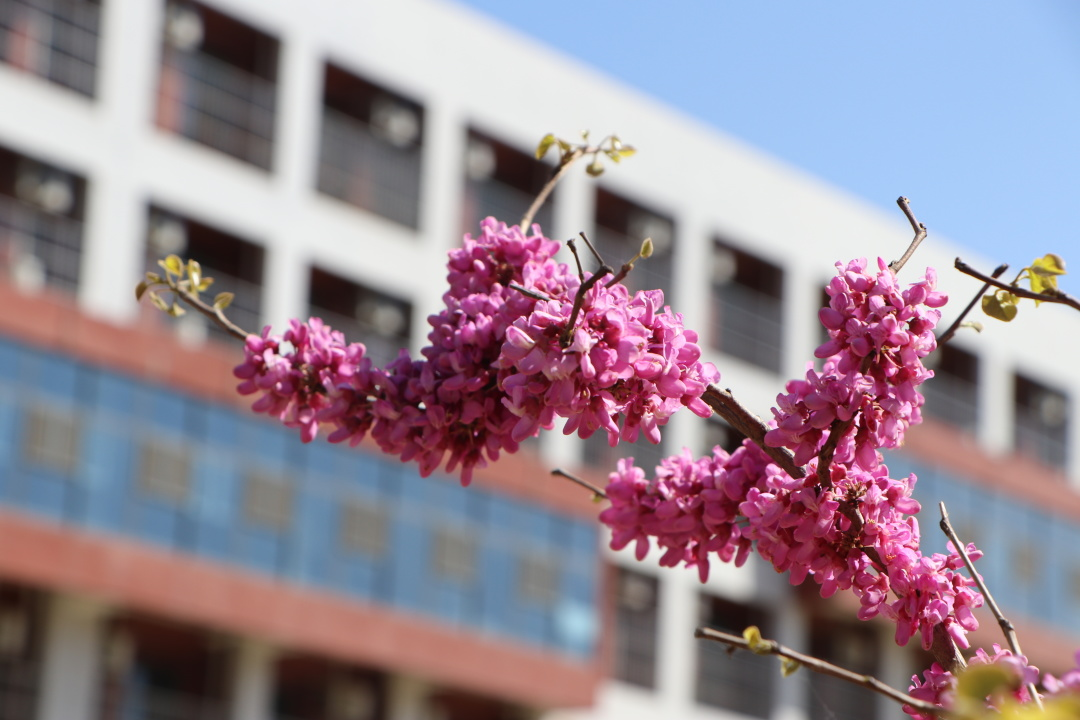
[159, 303]
[152, 278]
[1048, 264]
[545, 144]
[223, 300]
[614, 155]
[173, 265]
[755, 643]
[194, 271]
[789, 667]
[206, 283]
[140, 289]
[1001, 305]
[626, 151]
[176, 310]
[595, 169]
[646, 248]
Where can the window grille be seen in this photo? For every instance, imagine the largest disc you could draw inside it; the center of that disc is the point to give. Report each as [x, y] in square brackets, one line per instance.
[747, 307]
[268, 501]
[364, 528]
[164, 470]
[454, 556]
[741, 681]
[538, 579]
[52, 439]
[850, 646]
[637, 605]
[1041, 422]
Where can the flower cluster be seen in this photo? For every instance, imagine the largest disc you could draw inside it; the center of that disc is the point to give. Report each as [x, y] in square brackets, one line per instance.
[938, 685]
[628, 360]
[878, 336]
[850, 530]
[474, 392]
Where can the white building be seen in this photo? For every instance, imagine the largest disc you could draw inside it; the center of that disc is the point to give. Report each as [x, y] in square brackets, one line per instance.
[168, 555]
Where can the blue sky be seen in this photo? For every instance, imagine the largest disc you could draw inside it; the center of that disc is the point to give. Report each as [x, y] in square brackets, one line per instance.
[971, 109]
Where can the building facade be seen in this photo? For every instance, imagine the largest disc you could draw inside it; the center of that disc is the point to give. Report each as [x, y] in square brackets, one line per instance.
[164, 553]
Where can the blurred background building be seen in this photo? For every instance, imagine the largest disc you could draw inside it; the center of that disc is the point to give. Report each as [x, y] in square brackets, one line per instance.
[166, 554]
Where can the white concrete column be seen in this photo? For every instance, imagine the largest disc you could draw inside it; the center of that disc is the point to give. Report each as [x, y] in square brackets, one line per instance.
[996, 408]
[791, 630]
[116, 210]
[676, 657]
[408, 699]
[252, 692]
[71, 672]
[895, 668]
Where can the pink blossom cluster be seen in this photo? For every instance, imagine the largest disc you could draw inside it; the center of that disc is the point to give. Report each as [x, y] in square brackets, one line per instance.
[629, 361]
[878, 336]
[938, 686]
[852, 531]
[472, 393]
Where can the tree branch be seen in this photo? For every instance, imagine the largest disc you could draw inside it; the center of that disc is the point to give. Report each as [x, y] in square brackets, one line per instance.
[726, 406]
[211, 312]
[1005, 624]
[598, 494]
[920, 235]
[771, 647]
[948, 334]
[1050, 296]
[538, 201]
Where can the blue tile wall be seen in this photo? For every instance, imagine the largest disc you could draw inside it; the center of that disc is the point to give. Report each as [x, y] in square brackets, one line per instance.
[1045, 591]
[116, 413]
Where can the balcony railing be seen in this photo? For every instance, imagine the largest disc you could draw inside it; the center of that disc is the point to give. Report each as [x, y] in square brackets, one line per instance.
[357, 166]
[953, 400]
[39, 248]
[218, 105]
[18, 689]
[53, 39]
[1035, 439]
[506, 203]
[747, 325]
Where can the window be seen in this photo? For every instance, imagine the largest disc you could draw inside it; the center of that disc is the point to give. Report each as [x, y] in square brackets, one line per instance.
[381, 321]
[502, 182]
[741, 681]
[41, 223]
[952, 394]
[364, 528]
[164, 471]
[268, 501]
[853, 647]
[235, 265]
[719, 433]
[52, 439]
[454, 555]
[621, 226]
[747, 307]
[538, 579]
[217, 84]
[371, 147]
[637, 603]
[53, 39]
[600, 455]
[21, 641]
[1042, 420]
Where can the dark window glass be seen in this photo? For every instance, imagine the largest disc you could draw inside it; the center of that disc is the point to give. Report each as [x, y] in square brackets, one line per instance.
[741, 681]
[637, 603]
[747, 307]
[1042, 421]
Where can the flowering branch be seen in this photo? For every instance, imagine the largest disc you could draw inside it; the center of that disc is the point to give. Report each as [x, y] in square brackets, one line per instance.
[186, 281]
[771, 647]
[1050, 295]
[726, 406]
[920, 234]
[1006, 625]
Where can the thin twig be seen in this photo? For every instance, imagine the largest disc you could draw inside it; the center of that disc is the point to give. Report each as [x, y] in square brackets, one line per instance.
[537, 202]
[726, 406]
[623, 272]
[599, 260]
[586, 285]
[920, 235]
[211, 312]
[527, 292]
[597, 492]
[948, 334]
[771, 647]
[1004, 622]
[1050, 296]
